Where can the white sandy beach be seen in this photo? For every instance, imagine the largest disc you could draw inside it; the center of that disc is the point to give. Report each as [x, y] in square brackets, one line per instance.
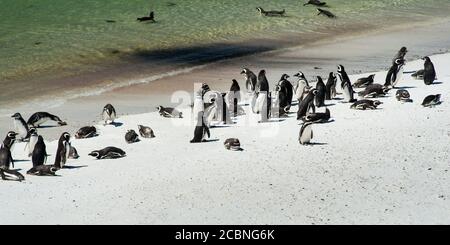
[388, 166]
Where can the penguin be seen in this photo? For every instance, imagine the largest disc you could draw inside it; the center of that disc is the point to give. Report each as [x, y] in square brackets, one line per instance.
[73, 153]
[146, 132]
[250, 79]
[395, 73]
[109, 113]
[21, 127]
[39, 155]
[315, 3]
[32, 142]
[366, 104]
[199, 104]
[400, 54]
[429, 74]
[418, 75]
[432, 100]
[169, 112]
[331, 87]
[217, 111]
[288, 89]
[63, 150]
[6, 158]
[232, 144]
[150, 17]
[225, 117]
[364, 82]
[11, 175]
[9, 140]
[110, 152]
[374, 91]
[86, 132]
[271, 13]
[306, 104]
[233, 97]
[348, 92]
[321, 92]
[343, 76]
[279, 102]
[326, 13]
[262, 87]
[43, 170]
[306, 133]
[39, 118]
[317, 117]
[301, 87]
[259, 105]
[201, 130]
[131, 136]
[403, 95]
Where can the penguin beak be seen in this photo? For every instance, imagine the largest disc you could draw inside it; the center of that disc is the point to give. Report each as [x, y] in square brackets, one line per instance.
[242, 72]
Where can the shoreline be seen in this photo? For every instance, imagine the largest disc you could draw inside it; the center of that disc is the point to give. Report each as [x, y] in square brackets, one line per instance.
[167, 180]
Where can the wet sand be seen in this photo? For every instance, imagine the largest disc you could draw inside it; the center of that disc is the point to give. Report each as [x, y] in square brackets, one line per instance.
[359, 53]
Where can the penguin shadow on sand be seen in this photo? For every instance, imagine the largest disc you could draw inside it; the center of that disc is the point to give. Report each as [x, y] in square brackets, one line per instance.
[74, 167]
[115, 124]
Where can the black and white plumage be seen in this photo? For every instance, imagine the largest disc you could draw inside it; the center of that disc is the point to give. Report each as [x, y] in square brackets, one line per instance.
[150, 17]
[403, 95]
[9, 140]
[374, 91]
[306, 103]
[315, 3]
[169, 112]
[32, 141]
[321, 92]
[21, 127]
[6, 159]
[366, 104]
[131, 136]
[395, 73]
[326, 13]
[288, 90]
[331, 87]
[109, 113]
[63, 150]
[432, 100]
[262, 89]
[201, 130]
[418, 75]
[301, 87]
[232, 144]
[400, 54]
[38, 118]
[233, 97]
[73, 153]
[271, 12]
[39, 155]
[306, 133]
[250, 79]
[342, 75]
[318, 117]
[86, 132]
[11, 175]
[260, 105]
[364, 81]
[110, 152]
[348, 92]
[43, 170]
[146, 132]
[429, 74]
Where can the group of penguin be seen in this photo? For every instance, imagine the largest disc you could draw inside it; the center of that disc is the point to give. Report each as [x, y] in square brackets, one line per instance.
[280, 13]
[37, 150]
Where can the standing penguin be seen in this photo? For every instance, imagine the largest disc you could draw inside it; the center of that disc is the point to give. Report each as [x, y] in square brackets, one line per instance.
[429, 73]
[250, 79]
[233, 97]
[201, 130]
[262, 88]
[348, 92]
[288, 90]
[5, 161]
[32, 142]
[9, 140]
[321, 92]
[343, 76]
[306, 133]
[62, 153]
[109, 113]
[301, 87]
[331, 87]
[20, 126]
[306, 104]
[395, 73]
[39, 155]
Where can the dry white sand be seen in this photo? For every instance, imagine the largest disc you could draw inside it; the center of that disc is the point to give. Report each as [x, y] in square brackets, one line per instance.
[388, 166]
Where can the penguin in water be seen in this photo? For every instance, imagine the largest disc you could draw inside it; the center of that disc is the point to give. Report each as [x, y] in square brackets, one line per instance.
[331, 87]
[429, 74]
[39, 155]
[306, 133]
[315, 3]
[38, 118]
[432, 100]
[21, 127]
[400, 54]
[62, 153]
[86, 132]
[201, 130]
[250, 79]
[395, 73]
[233, 98]
[301, 87]
[32, 142]
[109, 114]
[131, 136]
[146, 132]
[110, 152]
[364, 82]
[306, 104]
[150, 17]
[321, 92]
[9, 140]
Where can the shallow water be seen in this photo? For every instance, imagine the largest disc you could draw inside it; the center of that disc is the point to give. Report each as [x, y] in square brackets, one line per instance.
[43, 37]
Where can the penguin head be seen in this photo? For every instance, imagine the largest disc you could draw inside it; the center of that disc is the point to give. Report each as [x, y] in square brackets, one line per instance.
[94, 154]
[17, 115]
[11, 135]
[377, 102]
[404, 50]
[33, 131]
[340, 68]
[53, 170]
[314, 91]
[160, 108]
[244, 71]
[284, 77]
[40, 139]
[426, 58]
[399, 61]
[319, 79]
[437, 97]
[259, 9]
[65, 137]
